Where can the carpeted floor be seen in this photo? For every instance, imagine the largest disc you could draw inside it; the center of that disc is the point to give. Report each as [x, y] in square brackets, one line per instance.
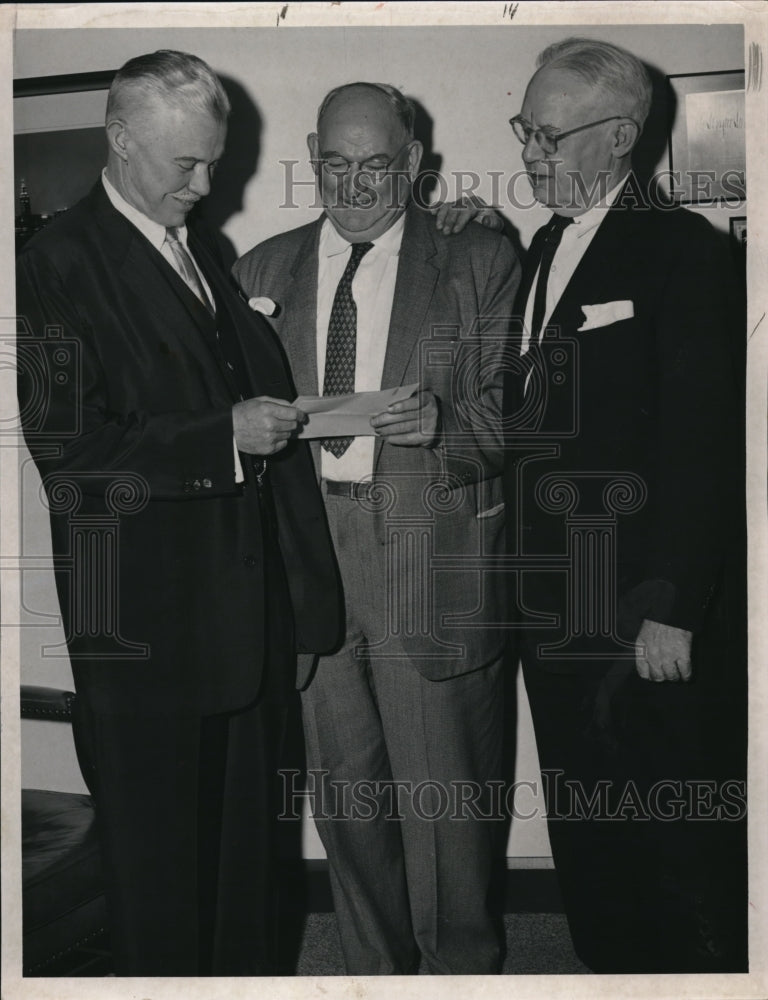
[537, 943]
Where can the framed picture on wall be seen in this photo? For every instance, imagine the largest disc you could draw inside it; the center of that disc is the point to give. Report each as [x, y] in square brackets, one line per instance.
[59, 147]
[707, 149]
[738, 226]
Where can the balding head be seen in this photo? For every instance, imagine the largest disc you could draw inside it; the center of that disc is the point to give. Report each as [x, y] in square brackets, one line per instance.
[398, 103]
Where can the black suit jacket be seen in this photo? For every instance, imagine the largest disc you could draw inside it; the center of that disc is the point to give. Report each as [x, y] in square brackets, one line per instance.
[126, 404]
[632, 423]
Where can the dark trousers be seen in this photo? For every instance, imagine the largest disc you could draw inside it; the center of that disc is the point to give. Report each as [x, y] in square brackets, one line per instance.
[646, 814]
[187, 812]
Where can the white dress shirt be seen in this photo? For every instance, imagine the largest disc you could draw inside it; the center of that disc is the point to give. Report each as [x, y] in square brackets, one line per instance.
[373, 289]
[573, 245]
[155, 233]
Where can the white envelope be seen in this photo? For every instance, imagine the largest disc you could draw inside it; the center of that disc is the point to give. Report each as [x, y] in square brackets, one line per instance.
[347, 416]
[605, 313]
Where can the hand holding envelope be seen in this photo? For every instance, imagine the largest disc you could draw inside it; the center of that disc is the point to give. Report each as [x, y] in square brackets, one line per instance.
[402, 414]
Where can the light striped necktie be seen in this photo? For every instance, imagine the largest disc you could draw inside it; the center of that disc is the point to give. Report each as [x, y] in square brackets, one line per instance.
[186, 268]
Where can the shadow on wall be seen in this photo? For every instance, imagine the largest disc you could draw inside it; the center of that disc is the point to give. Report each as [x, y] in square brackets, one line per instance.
[431, 163]
[650, 154]
[237, 166]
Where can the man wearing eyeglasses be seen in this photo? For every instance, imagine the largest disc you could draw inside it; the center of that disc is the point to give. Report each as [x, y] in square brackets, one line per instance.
[404, 719]
[622, 483]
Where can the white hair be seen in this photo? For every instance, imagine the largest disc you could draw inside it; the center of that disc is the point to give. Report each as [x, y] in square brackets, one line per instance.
[176, 78]
[607, 67]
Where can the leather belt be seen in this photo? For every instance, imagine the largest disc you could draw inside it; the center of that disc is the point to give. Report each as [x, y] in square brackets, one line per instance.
[352, 491]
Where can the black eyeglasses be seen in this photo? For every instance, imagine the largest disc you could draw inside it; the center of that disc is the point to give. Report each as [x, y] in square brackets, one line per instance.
[375, 167]
[548, 138]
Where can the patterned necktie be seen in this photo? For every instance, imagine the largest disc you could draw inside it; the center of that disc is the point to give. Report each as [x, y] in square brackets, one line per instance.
[186, 267]
[554, 233]
[341, 348]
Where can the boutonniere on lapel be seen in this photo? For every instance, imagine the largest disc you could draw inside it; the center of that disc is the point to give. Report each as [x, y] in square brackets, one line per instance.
[261, 304]
[605, 313]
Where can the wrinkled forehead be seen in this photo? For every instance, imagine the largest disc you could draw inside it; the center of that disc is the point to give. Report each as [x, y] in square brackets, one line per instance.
[361, 117]
[558, 96]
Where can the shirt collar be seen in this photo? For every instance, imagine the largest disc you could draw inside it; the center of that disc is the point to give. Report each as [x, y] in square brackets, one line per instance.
[333, 243]
[582, 224]
[153, 231]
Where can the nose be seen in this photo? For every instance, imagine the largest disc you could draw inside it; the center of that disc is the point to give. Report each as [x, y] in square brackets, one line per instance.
[200, 182]
[532, 151]
[357, 185]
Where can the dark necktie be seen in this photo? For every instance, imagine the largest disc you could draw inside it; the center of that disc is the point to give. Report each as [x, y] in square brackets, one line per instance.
[186, 268]
[554, 233]
[341, 348]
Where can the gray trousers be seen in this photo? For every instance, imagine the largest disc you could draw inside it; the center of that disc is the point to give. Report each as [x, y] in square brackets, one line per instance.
[397, 764]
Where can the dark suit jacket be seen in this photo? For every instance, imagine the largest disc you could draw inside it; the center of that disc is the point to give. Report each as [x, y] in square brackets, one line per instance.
[646, 402]
[135, 417]
[449, 332]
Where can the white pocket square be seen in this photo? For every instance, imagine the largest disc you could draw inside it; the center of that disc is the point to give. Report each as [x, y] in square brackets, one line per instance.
[605, 313]
[491, 512]
[263, 305]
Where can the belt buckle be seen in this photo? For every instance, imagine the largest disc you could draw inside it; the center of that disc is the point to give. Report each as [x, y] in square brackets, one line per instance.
[360, 491]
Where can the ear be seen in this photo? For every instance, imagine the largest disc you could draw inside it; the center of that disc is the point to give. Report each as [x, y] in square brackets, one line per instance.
[415, 154]
[625, 138]
[117, 138]
[313, 144]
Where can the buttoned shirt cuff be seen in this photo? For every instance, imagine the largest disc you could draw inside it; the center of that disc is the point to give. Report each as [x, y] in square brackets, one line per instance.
[239, 477]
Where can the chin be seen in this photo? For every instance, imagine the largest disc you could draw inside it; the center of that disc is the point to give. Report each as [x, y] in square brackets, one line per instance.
[355, 220]
[541, 188]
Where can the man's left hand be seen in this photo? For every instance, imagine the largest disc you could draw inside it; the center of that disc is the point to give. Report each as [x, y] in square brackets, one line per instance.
[662, 652]
[452, 218]
[412, 422]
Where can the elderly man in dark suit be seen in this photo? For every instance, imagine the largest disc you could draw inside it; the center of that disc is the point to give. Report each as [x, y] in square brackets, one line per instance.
[370, 297]
[171, 426]
[622, 489]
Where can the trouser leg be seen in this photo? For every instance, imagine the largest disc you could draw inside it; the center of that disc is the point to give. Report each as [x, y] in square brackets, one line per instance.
[638, 872]
[444, 745]
[350, 778]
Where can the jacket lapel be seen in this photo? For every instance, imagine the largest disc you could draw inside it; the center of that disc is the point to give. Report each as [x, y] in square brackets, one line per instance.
[152, 278]
[300, 327]
[596, 270]
[530, 266]
[417, 274]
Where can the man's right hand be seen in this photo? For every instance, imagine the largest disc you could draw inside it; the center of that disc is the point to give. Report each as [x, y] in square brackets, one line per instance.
[452, 218]
[263, 426]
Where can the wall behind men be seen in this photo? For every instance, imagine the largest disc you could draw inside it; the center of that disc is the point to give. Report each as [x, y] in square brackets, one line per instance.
[468, 82]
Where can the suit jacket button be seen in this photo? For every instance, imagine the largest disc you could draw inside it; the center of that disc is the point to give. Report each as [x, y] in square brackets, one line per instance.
[250, 561]
[207, 484]
[196, 485]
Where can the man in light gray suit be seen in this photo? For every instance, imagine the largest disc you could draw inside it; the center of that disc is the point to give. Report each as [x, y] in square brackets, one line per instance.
[403, 722]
